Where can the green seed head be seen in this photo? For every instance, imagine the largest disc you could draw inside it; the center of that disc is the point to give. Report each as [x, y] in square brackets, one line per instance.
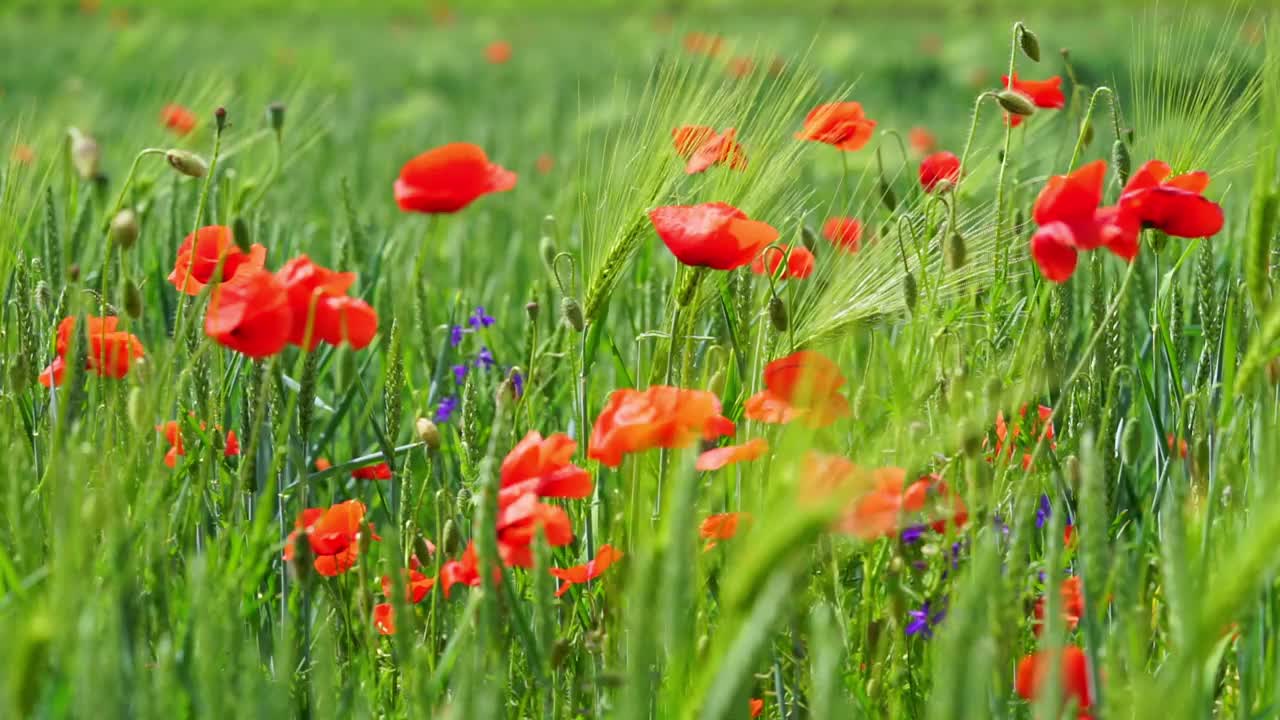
[1015, 102]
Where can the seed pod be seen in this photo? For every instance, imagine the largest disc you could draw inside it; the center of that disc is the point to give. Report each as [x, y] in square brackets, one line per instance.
[132, 300]
[571, 311]
[187, 163]
[956, 253]
[124, 229]
[1030, 44]
[887, 195]
[809, 238]
[778, 314]
[1015, 102]
[85, 154]
[1120, 158]
[909, 291]
[240, 234]
[428, 432]
[275, 116]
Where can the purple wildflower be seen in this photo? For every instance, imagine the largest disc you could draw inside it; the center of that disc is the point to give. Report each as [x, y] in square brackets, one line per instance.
[480, 318]
[484, 358]
[1043, 512]
[455, 335]
[459, 373]
[912, 534]
[517, 383]
[925, 619]
[444, 412]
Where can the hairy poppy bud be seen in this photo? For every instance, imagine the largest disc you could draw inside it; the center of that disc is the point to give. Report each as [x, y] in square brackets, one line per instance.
[187, 163]
[1072, 466]
[778, 314]
[956, 253]
[449, 538]
[972, 443]
[571, 311]
[909, 291]
[73, 272]
[1015, 102]
[1120, 158]
[84, 154]
[1030, 44]
[132, 300]
[422, 550]
[124, 229]
[809, 238]
[547, 243]
[1086, 131]
[428, 432]
[716, 384]
[220, 119]
[302, 559]
[531, 309]
[1131, 442]
[275, 116]
[887, 196]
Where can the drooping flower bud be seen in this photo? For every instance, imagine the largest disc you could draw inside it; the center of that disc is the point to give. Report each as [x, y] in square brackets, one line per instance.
[220, 119]
[124, 229]
[1120, 158]
[1015, 102]
[571, 311]
[1131, 442]
[909, 291]
[132, 299]
[809, 238]
[240, 234]
[187, 163]
[1086, 132]
[84, 154]
[428, 432]
[422, 550]
[275, 116]
[887, 195]
[778, 314]
[955, 252]
[1030, 44]
[531, 309]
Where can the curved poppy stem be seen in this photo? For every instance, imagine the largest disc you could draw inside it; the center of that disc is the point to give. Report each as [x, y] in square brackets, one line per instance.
[973, 127]
[1084, 123]
[179, 324]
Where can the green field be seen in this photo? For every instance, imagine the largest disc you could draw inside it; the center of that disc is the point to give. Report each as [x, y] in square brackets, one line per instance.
[966, 482]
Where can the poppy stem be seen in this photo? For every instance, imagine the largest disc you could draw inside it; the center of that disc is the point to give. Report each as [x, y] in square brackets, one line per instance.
[1084, 122]
[968, 143]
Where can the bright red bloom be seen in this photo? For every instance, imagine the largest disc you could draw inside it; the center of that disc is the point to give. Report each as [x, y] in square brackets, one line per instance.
[757, 707]
[843, 232]
[721, 526]
[937, 168]
[200, 252]
[659, 417]
[802, 386]
[579, 574]
[921, 140]
[1071, 220]
[318, 296]
[1175, 206]
[110, 352]
[840, 124]
[544, 467]
[800, 261]
[464, 571]
[449, 178]
[333, 534]
[1074, 682]
[323, 464]
[703, 147]
[520, 519]
[1072, 606]
[384, 620]
[881, 511]
[1045, 94]
[417, 585]
[714, 235]
[716, 458]
[380, 471]
[172, 432]
[932, 490]
[498, 52]
[250, 315]
[178, 119]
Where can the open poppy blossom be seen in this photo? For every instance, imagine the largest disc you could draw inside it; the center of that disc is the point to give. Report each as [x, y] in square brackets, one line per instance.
[703, 147]
[802, 386]
[887, 500]
[333, 535]
[843, 232]
[178, 119]
[1070, 220]
[172, 432]
[715, 235]
[449, 178]
[922, 141]
[380, 471]
[800, 261]
[932, 495]
[417, 585]
[110, 352]
[1072, 604]
[1045, 94]
[200, 254]
[544, 467]
[721, 526]
[384, 619]
[580, 574]
[1172, 205]
[250, 315]
[716, 458]
[843, 125]
[1074, 682]
[321, 308]
[659, 417]
[519, 521]
[464, 571]
[937, 168]
[498, 52]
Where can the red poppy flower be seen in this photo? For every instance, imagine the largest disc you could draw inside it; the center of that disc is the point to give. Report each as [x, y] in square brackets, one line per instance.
[1175, 206]
[317, 296]
[800, 261]
[520, 519]
[703, 147]
[178, 119]
[449, 178]
[323, 464]
[937, 168]
[464, 571]
[717, 458]
[1045, 94]
[498, 52]
[544, 467]
[380, 471]
[200, 252]
[661, 416]
[172, 432]
[740, 67]
[840, 124]
[714, 235]
[757, 707]
[1007, 439]
[1072, 606]
[843, 232]
[251, 315]
[417, 585]
[931, 494]
[384, 620]
[1074, 682]
[580, 574]
[721, 526]
[110, 352]
[1070, 220]
[802, 386]
[703, 44]
[333, 534]
[921, 140]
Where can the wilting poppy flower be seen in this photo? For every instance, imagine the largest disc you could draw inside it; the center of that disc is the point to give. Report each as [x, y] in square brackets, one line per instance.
[178, 119]
[756, 706]
[799, 261]
[417, 585]
[380, 471]
[1070, 221]
[802, 386]
[703, 147]
[172, 432]
[922, 141]
[714, 235]
[200, 253]
[317, 297]
[579, 574]
[721, 526]
[250, 315]
[498, 52]
[703, 44]
[449, 178]
[843, 232]
[1072, 606]
[1174, 206]
[1045, 94]
[937, 168]
[110, 352]
[384, 620]
[716, 458]
[544, 467]
[840, 124]
[1074, 682]
[659, 417]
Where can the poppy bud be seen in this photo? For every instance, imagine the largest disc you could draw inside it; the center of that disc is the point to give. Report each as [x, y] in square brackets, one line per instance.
[909, 291]
[778, 314]
[956, 254]
[1015, 102]
[428, 432]
[1030, 44]
[995, 389]
[275, 116]
[547, 243]
[240, 234]
[972, 443]
[1273, 371]
[421, 550]
[571, 311]
[132, 300]
[84, 154]
[124, 229]
[505, 394]
[462, 503]
[1086, 131]
[136, 408]
[449, 538]
[220, 119]
[531, 309]
[1131, 442]
[887, 196]
[716, 384]
[73, 272]
[302, 559]
[1120, 158]
[187, 163]
[809, 238]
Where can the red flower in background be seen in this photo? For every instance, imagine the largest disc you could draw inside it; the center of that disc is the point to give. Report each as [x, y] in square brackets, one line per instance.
[840, 124]
[741, 66]
[1070, 219]
[317, 296]
[703, 44]
[579, 574]
[464, 571]
[416, 588]
[333, 535]
[172, 432]
[449, 178]
[250, 315]
[1072, 606]
[544, 467]
[922, 141]
[1045, 94]
[520, 519]
[110, 352]
[714, 235]
[800, 261]
[380, 471]
[178, 119]
[545, 164]
[1008, 439]
[384, 620]
[721, 526]
[498, 52]
[802, 386]
[703, 147]
[881, 511]
[659, 417]
[200, 253]
[757, 706]
[1074, 681]
[939, 167]
[1174, 206]
[843, 232]
[716, 458]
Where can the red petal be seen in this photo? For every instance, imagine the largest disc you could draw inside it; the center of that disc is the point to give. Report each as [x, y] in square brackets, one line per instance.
[1051, 247]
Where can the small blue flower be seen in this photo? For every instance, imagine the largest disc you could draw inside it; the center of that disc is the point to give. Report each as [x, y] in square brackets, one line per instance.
[517, 383]
[480, 318]
[484, 358]
[459, 373]
[1043, 512]
[444, 412]
[455, 335]
[912, 534]
[925, 619]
